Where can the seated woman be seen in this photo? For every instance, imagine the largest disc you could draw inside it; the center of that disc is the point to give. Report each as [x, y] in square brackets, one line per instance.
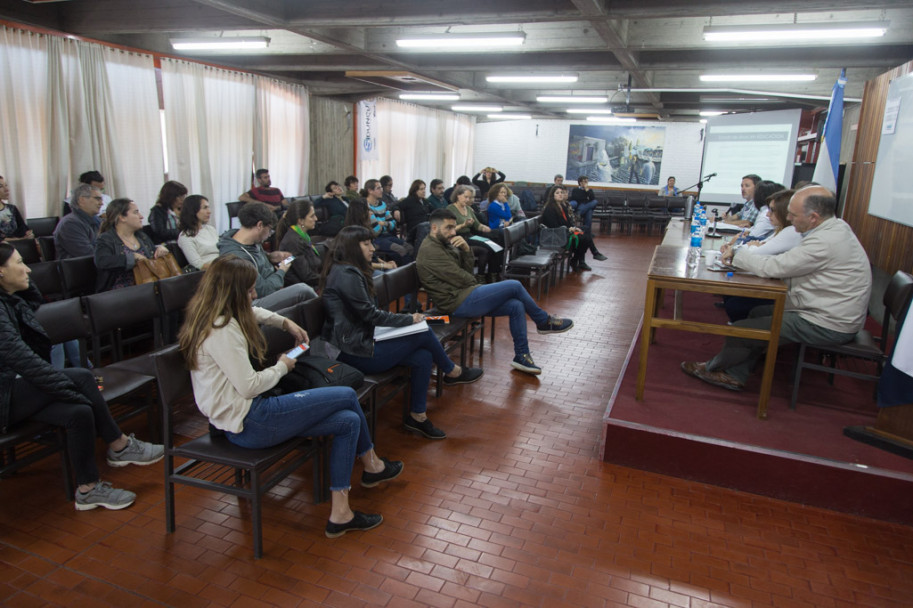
[67, 398]
[121, 242]
[12, 226]
[557, 212]
[163, 217]
[220, 337]
[352, 315]
[414, 210]
[293, 236]
[488, 262]
[499, 215]
[359, 215]
[380, 221]
[784, 238]
[198, 239]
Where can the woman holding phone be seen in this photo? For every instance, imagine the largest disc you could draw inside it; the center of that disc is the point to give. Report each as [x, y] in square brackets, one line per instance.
[220, 337]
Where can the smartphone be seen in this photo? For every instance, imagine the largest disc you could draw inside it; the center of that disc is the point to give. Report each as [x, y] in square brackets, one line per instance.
[297, 351]
[288, 260]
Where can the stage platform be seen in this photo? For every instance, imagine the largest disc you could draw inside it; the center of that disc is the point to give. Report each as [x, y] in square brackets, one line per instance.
[692, 430]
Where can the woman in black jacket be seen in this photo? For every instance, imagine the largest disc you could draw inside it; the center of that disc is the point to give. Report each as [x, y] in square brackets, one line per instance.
[121, 241]
[414, 210]
[557, 213]
[352, 315]
[293, 234]
[164, 217]
[30, 389]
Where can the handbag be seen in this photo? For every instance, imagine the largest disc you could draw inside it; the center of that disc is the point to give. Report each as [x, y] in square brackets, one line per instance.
[149, 271]
[553, 238]
[319, 372]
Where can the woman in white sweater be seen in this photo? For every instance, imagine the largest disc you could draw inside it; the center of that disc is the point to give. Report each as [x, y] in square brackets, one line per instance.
[220, 338]
[198, 239]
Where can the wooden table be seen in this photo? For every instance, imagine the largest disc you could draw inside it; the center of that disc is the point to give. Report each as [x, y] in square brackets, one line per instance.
[668, 270]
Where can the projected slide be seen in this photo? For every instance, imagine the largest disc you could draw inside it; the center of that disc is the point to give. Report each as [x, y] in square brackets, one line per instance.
[763, 143]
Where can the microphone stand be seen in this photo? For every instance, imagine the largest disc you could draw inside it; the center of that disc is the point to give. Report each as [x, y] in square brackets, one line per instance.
[699, 185]
[712, 233]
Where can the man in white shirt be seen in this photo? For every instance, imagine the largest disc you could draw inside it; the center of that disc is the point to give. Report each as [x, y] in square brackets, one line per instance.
[829, 285]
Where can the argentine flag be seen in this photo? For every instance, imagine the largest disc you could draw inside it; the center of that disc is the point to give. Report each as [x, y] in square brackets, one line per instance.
[829, 155]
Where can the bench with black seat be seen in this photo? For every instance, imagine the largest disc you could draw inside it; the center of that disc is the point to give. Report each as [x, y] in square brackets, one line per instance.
[537, 267]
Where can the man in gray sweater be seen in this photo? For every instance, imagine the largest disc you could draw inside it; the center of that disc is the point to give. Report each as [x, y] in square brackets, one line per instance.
[75, 235]
[829, 281]
[257, 221]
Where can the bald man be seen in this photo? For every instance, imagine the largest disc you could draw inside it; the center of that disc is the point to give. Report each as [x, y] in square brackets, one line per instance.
[829, 285]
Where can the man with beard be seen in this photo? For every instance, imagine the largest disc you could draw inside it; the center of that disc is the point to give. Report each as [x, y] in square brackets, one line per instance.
[445, 265]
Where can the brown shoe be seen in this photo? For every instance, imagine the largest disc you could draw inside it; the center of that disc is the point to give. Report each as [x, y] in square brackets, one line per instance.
[721, 379]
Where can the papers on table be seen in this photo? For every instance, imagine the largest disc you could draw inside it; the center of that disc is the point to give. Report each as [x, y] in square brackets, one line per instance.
[724, 227]
[487, 242]
[388, 333]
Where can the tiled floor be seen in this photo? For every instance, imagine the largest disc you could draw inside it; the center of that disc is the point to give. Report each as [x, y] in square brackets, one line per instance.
[513, 509]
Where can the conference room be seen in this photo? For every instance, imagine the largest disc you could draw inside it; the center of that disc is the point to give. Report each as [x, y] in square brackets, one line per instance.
[580, 486]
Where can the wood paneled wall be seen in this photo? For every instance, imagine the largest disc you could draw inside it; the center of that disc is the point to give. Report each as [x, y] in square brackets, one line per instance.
[888, 244]
[332, 145]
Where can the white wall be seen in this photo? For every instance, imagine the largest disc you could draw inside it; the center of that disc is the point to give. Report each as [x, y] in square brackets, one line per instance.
[536, 150]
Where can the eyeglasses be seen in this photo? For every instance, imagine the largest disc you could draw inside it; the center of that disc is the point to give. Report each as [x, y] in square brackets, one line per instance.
[98, 198]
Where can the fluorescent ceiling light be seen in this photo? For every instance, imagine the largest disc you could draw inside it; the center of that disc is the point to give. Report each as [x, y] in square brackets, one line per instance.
[532, 78]
[445, 42]
[610, 119]
[476, 108]
[703, 121]
[511, 116]
[570, 99]
[712, 112]
[796, 32]
[220, 44]
[588, 111]
[429, 96]
[757, 77]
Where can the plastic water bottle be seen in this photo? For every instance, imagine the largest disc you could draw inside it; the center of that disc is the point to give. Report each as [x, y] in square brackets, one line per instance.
[694, 250]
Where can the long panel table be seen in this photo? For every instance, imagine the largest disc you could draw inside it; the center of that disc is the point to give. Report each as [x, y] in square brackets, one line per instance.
[668, 270]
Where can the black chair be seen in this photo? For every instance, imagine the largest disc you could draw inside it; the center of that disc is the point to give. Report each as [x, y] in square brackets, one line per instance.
[896, 299]
[43, 226]
[174, 294]
[658, 209]
[176, 251]
[112, 312]
[616, 213]
[46, 276]
[47, 248]
[28, 249]
[78, 276]
[531, 268]
[214, 463]
[638, 214]
[676, 205]
[233, 208]
[28, 442]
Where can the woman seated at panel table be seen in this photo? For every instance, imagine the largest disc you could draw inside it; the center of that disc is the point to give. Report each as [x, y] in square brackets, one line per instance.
[557, 212]
[784, 238]
[293, 235]
[220, 337]
[67, 398]
[199, 240]
[352, 314]
[121, 242]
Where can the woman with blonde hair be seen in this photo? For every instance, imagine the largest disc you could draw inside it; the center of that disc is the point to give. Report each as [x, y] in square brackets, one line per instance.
[219, 339]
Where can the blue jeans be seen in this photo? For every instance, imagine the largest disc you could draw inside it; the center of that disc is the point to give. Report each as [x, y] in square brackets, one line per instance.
[585, 211]
[504, 299]
[313, 413]
[71, 350]
[418, 351]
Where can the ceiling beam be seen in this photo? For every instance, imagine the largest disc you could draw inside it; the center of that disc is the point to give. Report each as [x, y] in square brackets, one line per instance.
[650, 9]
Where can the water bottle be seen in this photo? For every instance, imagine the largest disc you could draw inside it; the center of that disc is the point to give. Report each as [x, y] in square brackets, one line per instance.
[694, 251]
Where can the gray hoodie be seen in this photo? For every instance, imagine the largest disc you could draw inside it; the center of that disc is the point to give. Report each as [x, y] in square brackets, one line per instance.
[269, 279]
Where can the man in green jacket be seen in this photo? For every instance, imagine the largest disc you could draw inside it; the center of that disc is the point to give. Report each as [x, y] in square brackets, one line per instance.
[445, 266]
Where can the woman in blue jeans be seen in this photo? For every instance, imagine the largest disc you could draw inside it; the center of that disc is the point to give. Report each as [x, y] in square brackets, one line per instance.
[352, 315]
[218, 340]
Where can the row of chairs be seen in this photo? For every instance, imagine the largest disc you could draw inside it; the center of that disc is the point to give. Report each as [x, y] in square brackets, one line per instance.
[646, 212]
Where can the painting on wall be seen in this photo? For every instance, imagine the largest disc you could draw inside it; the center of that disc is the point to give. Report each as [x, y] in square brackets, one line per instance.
[615, 154]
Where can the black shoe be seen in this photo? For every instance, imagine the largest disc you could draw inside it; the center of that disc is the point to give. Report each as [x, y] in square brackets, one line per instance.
[423, 428]
[392, 469]
[467, 376]
[361, 521]
[583, 266]
[599, 257]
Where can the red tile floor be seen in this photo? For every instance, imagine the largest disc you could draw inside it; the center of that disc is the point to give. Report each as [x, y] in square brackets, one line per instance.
[513, 509]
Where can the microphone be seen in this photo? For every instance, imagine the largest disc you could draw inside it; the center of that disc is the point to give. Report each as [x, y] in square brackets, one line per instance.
[709, 176]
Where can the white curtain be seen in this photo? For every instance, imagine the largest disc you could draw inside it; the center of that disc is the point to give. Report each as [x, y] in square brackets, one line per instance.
[209, 126]
[282, 134]
[419, 143]
[24, 120]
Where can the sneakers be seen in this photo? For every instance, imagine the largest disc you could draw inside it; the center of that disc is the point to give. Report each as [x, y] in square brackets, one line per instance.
[423, 428]
[467, 376]
[554, 325]
[361, 521]
[721, 379]
[599, 257]
[104, 495]
[583, 266]
[525, 363]
[392, 469]
[136, 452]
